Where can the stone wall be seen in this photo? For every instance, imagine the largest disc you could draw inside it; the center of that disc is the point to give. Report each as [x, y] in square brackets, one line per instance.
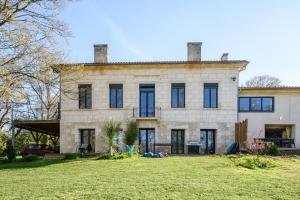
[192, 118]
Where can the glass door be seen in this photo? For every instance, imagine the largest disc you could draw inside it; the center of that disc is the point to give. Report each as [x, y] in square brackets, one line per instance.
[177, 141]
[207, 141]
[147, 140]
[147, 100]
[87, 137]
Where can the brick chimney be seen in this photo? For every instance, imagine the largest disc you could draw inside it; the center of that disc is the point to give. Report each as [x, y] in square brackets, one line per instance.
[100, 53]
[194, 51]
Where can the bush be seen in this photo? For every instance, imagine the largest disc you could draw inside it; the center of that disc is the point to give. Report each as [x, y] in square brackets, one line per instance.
[131, 133]
[117, 156]
[10, 151]
[272, 150]
[71, 156]
[29, 158]
[252, 162]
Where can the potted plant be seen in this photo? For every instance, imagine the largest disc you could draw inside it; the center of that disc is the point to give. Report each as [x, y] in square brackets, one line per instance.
[130, 135]
[111, 128]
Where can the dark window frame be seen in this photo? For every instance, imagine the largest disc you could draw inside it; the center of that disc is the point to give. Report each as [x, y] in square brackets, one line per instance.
[86, 106]
[145, 86]
[115, 87]
[261, 104]
[177, 86]
[211, 86]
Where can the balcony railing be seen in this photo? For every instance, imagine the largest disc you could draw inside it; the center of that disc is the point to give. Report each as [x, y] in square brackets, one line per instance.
[280, 142]
[146, 113]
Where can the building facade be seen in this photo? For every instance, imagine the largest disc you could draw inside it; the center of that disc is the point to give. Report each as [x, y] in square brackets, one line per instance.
[180, 107]
[273, 114]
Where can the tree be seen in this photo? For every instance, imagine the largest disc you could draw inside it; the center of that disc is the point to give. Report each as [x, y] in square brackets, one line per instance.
[131, 133]
[111, 128]
[30, 35]
[264, 81]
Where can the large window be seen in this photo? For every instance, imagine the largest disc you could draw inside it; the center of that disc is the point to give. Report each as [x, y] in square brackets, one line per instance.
[116, 95]
[256, 104]
[210, 95]
[178, 95]
[85, 96]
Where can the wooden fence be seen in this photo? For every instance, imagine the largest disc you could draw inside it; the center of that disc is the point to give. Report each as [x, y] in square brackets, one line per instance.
[241, 133]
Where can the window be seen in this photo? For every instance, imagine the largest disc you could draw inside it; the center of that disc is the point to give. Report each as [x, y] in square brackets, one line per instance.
[178, 95]
[116, 96]
[256, 104]
[85, 96]
[210, 95]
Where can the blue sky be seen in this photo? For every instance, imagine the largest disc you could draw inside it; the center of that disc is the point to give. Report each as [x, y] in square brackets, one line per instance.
[264, 32]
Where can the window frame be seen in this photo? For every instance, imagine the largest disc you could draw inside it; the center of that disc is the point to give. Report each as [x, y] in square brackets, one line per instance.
[86, 106]
[177, 86]
[261, 104]
[210, 86]
[116, 87]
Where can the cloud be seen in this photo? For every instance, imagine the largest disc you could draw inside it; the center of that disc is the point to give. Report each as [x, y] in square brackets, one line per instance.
[122, 39]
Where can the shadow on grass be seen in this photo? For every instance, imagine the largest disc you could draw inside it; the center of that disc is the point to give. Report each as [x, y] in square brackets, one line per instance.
[33, 164]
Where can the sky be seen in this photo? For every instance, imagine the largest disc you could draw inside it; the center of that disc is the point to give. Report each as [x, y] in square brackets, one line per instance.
[264, 32]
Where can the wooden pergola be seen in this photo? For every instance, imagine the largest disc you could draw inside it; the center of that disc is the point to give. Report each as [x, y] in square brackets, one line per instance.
[39, 127]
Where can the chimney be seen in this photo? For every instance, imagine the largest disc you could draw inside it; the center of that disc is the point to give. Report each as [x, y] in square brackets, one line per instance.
[100, 53]
[194, 51]
[224, 57]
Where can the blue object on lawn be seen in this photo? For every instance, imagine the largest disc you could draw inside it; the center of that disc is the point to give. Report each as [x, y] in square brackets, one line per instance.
[232, 148]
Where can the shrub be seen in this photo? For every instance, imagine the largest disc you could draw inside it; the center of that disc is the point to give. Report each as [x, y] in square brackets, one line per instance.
[117, 156]
[272, 150]
[252, 162]
[131, 133]
[71, 156]
[29, 158]
[10, 151]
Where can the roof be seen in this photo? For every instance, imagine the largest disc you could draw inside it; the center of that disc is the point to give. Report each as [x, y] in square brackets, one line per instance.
[287, 90]
[241, 64]
[48, 127]
[162, 62]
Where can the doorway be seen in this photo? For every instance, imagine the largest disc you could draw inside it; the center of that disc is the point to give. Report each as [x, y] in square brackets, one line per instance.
[87, 137]
[207, 141]
[147, 100]
[147, 140]
[177, 141]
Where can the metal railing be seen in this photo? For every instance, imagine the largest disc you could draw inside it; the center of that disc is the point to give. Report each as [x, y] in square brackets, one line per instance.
[141, 112]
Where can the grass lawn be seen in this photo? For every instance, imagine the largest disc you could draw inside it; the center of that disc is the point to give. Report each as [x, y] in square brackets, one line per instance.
[149, 178]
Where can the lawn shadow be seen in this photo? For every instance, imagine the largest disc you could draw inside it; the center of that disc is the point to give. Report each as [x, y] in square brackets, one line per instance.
[33, 164]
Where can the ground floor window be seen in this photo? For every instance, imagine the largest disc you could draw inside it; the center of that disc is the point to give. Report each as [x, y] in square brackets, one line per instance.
[147, 140]
[207, 141]
[87, 139]
[177, 141]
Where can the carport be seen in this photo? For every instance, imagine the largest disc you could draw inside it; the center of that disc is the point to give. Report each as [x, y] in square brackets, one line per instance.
[37, 128]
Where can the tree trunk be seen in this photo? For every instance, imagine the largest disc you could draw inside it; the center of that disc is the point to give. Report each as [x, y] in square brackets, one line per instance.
[111, 151]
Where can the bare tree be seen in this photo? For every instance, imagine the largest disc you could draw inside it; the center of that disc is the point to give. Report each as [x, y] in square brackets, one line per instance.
[264, 81]
[30, 35]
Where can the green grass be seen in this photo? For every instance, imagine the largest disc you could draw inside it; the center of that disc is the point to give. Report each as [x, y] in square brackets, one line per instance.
[149, 178]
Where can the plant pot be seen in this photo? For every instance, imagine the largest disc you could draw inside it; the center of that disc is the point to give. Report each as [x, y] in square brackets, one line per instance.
[129, 148]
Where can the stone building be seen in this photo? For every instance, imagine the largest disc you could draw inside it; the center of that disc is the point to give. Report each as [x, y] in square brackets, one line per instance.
[180, 106]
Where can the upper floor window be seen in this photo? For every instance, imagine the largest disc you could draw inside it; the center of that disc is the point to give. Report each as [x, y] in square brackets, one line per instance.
[178, 95]
[85, 96]
[116, 96]
[256, 104]
[210, 95]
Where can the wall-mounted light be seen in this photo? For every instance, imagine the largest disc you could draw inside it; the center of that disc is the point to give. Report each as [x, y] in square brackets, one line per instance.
[233, 78]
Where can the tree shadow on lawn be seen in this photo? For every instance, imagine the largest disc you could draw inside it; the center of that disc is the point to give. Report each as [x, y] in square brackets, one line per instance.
[33, 164]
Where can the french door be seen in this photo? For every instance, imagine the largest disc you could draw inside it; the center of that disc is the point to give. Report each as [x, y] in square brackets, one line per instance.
[207, 141]
[147, 140]
[87, 137]
[177, 141]
[147, 100]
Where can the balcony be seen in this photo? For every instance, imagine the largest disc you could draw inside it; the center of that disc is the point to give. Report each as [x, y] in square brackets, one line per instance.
[141, 113]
